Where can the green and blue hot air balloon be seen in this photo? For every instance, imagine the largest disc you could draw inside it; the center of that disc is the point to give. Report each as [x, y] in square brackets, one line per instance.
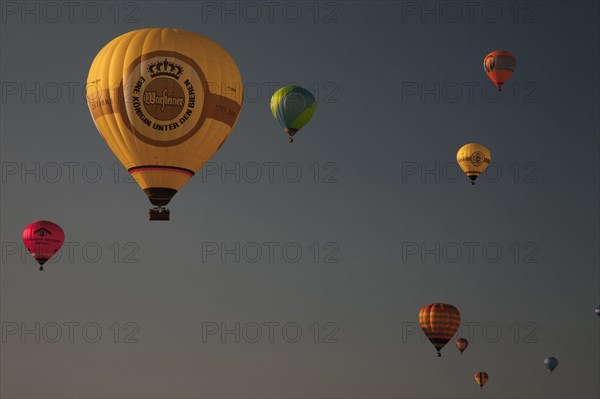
[293, 107]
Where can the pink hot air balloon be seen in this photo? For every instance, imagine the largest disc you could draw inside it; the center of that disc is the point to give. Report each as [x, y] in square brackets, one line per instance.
[462, 344]
[43, 239]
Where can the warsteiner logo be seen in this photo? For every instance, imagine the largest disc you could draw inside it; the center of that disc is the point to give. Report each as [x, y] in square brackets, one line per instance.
[161, 95]
[163, 100]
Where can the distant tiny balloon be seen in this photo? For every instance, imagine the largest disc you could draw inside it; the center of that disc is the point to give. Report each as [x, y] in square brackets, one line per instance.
[481, 377]
[597, 310]
[462, 344]
[43, 239]
[551, 363]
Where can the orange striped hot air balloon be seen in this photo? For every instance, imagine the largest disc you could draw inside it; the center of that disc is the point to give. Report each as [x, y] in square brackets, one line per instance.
[481, 377]
[439, 322]
[499, 66]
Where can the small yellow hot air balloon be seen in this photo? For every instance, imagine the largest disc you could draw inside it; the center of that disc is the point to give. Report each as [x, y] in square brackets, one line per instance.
[473, 159]
[164, 100]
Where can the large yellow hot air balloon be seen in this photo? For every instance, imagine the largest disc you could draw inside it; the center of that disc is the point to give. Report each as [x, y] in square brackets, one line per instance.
[164, 100]
[473, 159]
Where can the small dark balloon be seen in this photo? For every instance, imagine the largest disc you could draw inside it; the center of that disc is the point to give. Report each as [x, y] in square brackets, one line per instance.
[462, 344]
[551, 363]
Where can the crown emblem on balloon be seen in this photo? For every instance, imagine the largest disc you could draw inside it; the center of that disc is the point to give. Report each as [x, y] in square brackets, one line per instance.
[165, 68]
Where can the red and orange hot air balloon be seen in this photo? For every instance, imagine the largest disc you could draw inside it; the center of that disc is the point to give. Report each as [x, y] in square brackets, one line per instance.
[439, 322]
[481, 377]
[461, 344]
[499, 66]
[43, 239]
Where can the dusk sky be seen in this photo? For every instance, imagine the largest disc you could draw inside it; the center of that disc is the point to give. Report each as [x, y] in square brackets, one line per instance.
[299, 270]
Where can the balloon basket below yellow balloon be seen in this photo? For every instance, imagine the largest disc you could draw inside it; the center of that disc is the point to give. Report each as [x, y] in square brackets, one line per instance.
[159, 213]
[291, 132]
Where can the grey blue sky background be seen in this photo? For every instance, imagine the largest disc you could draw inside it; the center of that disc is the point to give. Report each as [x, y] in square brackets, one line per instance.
[399, 89]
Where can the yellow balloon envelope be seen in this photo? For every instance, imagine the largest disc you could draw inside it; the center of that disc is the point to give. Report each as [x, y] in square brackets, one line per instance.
[473, 159]
[164, 100]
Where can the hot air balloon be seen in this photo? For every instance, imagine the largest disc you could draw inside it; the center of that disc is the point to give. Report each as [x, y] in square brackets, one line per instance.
[462, 344]
[481, 377]
[499, 66]
[293, 107]
[597, 310]
[473, 159]
[551, 363]
[439, 322]
[164, 100]
[43, 239]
